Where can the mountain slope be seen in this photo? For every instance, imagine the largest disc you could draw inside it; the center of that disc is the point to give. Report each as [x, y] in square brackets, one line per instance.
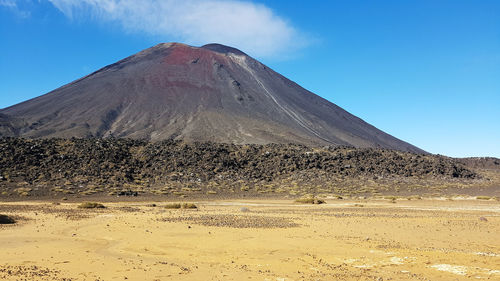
[174, 91]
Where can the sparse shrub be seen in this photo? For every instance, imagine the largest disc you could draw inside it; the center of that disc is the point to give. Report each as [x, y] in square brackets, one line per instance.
[173, 206]
[391, 199]
[211, 192]
[189, 206]
[309, 201]
[91, 205]
[483, 197]
[359, 205]
[24, 191]
[4, 219]
[305, 200]
[319, 201]
[179, 206]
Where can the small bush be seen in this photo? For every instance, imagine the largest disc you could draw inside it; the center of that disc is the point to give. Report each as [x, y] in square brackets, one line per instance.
[483, 197]
[91, 205]
[310, 201]
[179, 206]
[173, 206]
[4, 219]
[189, 206]
[305, 200]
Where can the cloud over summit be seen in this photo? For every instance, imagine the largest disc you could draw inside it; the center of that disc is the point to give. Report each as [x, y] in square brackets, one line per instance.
[254, 28]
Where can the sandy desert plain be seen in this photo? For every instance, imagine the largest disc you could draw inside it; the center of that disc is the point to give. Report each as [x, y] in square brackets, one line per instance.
[261, 239]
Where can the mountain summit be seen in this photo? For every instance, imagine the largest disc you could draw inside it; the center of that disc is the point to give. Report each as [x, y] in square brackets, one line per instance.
[175, 91]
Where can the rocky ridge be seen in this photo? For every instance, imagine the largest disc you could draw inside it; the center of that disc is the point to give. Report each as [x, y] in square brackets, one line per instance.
[112, 166]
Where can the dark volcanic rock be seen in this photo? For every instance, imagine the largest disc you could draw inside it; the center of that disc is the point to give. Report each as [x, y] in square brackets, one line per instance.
[481, 162]
[118, 162]
[173, 91]
[4, 219]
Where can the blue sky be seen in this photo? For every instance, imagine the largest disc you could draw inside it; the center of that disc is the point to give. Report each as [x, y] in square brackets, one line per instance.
[425, 71]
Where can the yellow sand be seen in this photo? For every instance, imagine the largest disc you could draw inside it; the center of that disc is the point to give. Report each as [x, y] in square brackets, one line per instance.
[374, 240]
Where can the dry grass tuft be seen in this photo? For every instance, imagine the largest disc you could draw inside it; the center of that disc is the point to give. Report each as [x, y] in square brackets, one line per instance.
[309, 201]
[173, 206]
[179, 206]
[189, 206]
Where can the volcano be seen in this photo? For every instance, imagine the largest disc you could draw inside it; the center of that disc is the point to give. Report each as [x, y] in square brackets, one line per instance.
[174, 91]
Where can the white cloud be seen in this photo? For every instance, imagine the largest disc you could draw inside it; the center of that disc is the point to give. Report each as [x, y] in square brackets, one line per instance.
[8, 3]
[12, 5]
[253, 28]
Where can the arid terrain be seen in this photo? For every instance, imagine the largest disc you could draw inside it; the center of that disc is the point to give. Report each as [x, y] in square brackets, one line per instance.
[175, 210]
[376, 239]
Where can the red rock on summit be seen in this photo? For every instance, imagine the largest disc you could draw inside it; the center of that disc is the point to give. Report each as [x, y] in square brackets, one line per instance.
[175, 91]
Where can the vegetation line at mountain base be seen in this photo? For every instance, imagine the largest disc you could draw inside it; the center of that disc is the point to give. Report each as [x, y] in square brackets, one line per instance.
[67, 168]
